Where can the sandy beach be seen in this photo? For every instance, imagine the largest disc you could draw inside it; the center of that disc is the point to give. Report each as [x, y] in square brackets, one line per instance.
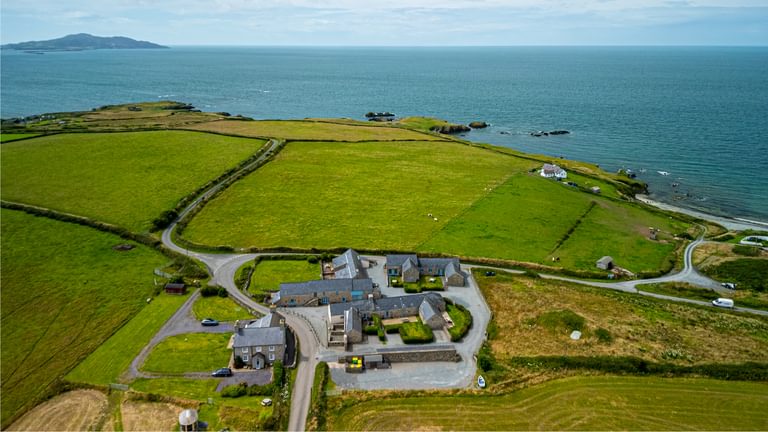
[729, 223]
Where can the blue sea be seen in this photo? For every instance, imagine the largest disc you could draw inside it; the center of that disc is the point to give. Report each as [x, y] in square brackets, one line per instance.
[700, 114]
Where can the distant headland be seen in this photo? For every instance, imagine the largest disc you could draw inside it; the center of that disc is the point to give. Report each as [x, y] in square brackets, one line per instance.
[82, 42]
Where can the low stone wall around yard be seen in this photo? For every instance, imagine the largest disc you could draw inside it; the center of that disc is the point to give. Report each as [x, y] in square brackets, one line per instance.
[421, 354]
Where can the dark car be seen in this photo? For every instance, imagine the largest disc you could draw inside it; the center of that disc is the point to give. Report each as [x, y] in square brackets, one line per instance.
[223, 372]
[490, 273]
[209, 322]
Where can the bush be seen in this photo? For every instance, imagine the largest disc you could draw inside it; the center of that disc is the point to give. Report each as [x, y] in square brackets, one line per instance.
[312, 259]
[261, 390]
[222, 292]
[392, 328]
[239, 363]
[371, 330]
[485, 359]
[561, 319]
[235, 390]
[382, 336]
[278, 374]
[603, 335]
[411, 289]
[462, 321]
[209, 291]
[164, 220]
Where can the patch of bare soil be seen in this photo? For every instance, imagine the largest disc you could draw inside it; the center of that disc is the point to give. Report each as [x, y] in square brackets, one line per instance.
[71, 411]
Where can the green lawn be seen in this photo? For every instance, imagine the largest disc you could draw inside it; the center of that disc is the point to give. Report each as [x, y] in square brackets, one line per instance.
[123, 178]
[528, 216]
[193, 352]
[219, 308]
[269, 274]
[461, 318]
[113, 357]
[364, 195]
[583, 403]
[312, 130]
[6, 137]
[64, 291]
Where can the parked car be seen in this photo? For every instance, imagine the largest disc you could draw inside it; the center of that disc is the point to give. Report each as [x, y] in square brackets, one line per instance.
[729, 285]
[209, 322]
[723, 302]
[266, 402]
[490, 273]
[222, 372]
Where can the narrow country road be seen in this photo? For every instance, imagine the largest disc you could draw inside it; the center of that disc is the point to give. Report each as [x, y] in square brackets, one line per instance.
[222, 268]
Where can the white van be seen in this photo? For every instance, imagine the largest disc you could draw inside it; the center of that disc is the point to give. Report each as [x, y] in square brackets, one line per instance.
[723, 302]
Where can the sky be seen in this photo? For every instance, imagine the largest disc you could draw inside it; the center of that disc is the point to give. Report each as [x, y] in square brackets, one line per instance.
[394, 22]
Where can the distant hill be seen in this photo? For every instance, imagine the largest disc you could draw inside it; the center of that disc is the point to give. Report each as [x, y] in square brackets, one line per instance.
[80, 42]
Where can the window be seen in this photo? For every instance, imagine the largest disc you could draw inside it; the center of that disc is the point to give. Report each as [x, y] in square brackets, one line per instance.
[343, 299]
[325, 300]
[271, 347]
[245, 358]
[258, 349]
[272, 357]
[245, 350]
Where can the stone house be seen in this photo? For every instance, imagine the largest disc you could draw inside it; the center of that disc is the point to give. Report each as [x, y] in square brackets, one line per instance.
[322, 292]
[260, 343]
[349, 265]
[411, 268]
[553, 171]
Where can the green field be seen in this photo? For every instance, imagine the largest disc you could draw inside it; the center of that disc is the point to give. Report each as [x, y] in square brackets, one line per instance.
[221, 309]
[526, 218]
[123, 178]
[364, 195]
[7, 137]
[312, 130]
[64, 291]
[269, 274]
[192, 352]
[584, 403]
[113, 357]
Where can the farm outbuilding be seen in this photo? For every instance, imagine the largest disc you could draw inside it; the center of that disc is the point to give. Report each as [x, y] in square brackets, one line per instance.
[605, 263]
[175, 288]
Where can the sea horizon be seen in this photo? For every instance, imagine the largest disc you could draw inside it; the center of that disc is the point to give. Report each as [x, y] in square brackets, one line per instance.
[694, 111]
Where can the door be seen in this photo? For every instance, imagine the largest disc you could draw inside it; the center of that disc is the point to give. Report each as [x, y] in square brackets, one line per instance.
[258, 361]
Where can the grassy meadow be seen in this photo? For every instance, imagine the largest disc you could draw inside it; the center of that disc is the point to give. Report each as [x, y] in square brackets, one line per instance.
[113, 357]
[192, 352]
[365, 195]
[582, 403]
[269, 274]
[312, 130]
[126, 179]
[219, 308]
[8, 137]
[535, 318]
[64, 292]
[528, 217]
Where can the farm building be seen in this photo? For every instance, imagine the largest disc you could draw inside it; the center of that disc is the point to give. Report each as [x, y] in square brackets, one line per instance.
[322, 292]
[553, 171]
[605, 263]
[175, 288]
[349, 265]
[411, 268]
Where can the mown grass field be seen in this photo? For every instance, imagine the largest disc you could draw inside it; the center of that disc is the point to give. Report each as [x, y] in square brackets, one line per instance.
[123, 178]
[642, 327]
[221, 309]
[528, 217]
[193, 352]
[311, 130]
[364, 195]
[583, 403]
[269, 274]
[113, 357]
[64, 291]
[7, 137]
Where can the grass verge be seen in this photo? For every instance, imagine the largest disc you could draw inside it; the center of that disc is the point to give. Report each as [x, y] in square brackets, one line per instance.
[219, 308]
[192, 352]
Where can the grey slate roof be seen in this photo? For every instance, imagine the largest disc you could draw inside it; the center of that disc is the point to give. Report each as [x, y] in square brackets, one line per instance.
[349, 266]
[318, 286]
[427, 311]
[454, 268]
[337, 309]
[352, 321]
[398, 260]
[255, 336]
[271, 319]
[388, 303]
[605, 260]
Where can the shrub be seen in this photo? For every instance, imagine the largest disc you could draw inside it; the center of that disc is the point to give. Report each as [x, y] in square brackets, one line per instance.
[209, 291]
[239, 363]
[382, 336]
[604, 335]
[392, 328]
[412, 289]
[462, 321]
[371, 330]
[166, 218]
[485, 359]
[261, 390]
[177, 279]
[278, 374]
[222, 292]
[312, 259]
[235, 390]
[561, 319]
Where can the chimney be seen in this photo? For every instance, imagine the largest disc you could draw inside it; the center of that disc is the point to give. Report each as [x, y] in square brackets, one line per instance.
[282, 323]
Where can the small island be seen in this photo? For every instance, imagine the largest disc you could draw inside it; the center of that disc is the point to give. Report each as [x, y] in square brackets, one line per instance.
[82, 42]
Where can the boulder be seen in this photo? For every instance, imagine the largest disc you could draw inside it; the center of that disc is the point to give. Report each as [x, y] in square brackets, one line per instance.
[478, 125]
[450, 129]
